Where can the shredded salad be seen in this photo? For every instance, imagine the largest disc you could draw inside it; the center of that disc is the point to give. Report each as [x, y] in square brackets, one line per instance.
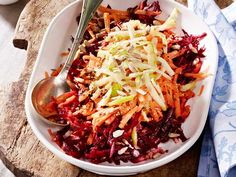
[130, 83]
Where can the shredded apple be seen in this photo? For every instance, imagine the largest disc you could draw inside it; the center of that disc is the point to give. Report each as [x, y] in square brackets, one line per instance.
[130, 84]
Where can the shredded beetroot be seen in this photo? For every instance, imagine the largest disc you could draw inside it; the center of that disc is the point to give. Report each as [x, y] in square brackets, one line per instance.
[73, 138]
[147, 19]
[79, 138]
[190, 44]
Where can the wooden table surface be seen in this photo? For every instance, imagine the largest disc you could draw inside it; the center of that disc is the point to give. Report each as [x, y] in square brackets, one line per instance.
[12, 59]
[20, 150]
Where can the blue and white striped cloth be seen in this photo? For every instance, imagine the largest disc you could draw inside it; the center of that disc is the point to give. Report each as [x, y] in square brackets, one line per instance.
[218, 154]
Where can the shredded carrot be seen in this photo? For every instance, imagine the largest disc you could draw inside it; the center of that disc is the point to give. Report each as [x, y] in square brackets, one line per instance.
[52, 135]
[92, 25]
[71, 84]
[155, 111]
[177, 72]
[159, 46]
[165, 88]
[90, 57]
[67, 101]
[91, 33]
[177, 102]
[107, 21]
[127, 117]
[133, 103]
[172, 65]
[170, 56]
[149, 37]
[98, 121]
[170, 97]
[113, 11]
[159, 39]
[110, 119]
[158, 22]
[169, 94]
[174, 54]
[147, 12]
[116, 18]
[141, 98]
[198, 76]
[124, 109]
[189, 94]
[90, 138]
[161, 21]
[63, 97]
[201, 90]
[177, 107]
[46, 75]
[97, 100]
[90, 41]
[93, 61]
[57, 71]
[168, 33]
[158, 43]
[186, 111]
[64, 54]
[48, 109]
[177, 93]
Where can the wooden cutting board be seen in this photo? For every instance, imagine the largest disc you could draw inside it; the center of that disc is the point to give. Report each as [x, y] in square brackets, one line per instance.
[20, 150]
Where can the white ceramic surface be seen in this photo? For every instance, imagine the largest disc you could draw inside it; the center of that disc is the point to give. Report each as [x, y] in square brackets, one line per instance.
[57, 39]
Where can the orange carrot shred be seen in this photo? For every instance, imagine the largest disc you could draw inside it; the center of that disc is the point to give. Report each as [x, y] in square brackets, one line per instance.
[177, 72]
[147, 12]
[174, 54]
[64, 54]
[201, 90]
[149, 37]
[155, 111]
[186, 112]
[110, 119]
[63, 97]
[46, 75]
[159, 46]
[91, 33]
[57, 71]
[177, 102]
[198, 76]
[115, 17]
[113, 11]
[90, 139]
[107, 21]
[90, 57]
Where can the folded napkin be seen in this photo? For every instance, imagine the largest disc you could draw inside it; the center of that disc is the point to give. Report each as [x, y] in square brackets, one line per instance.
[218, 154]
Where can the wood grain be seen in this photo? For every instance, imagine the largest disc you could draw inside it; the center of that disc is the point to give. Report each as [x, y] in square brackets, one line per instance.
[20, 150]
